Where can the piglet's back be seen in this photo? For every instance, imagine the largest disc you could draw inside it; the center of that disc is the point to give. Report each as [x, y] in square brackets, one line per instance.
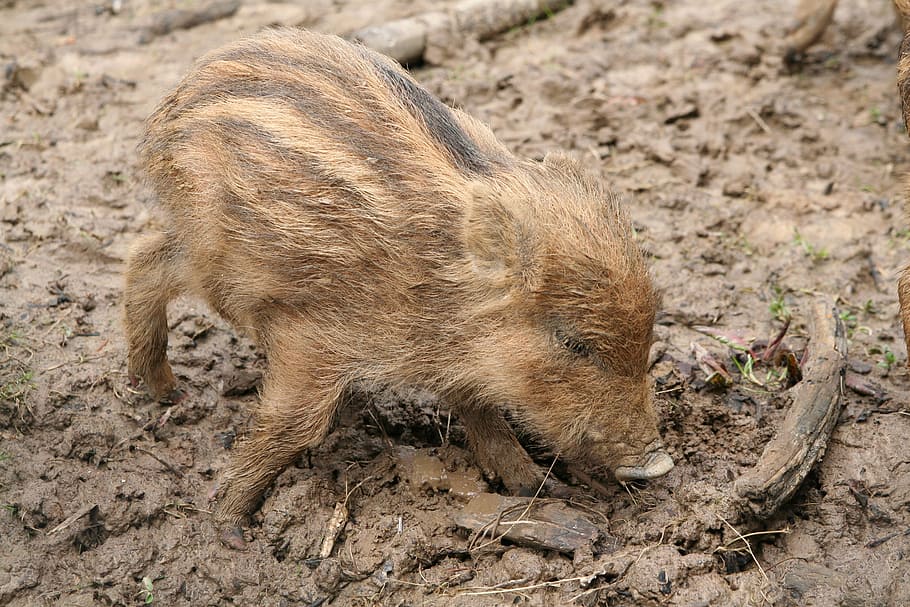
[290, 114]
[319, 152]
[293, 98]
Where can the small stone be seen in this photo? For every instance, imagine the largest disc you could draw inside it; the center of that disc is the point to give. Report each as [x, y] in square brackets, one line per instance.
[861, 367]
[737, 187]
[327, 576]
[662, 151]
[88, 123]
[825, 170]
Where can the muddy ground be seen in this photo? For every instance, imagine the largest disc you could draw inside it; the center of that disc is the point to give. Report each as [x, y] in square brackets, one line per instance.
[753, 188]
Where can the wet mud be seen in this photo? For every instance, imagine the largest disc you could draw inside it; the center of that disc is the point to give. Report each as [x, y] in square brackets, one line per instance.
[754, 186]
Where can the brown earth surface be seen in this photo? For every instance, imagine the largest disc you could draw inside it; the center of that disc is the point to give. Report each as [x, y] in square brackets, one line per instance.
[753, 187]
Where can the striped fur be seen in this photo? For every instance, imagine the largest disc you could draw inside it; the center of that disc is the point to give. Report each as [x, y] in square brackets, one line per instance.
[361, 231]
[903, 89]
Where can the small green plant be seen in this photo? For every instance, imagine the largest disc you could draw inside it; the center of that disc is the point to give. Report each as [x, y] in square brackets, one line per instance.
[4, 456]
[815, 253]
[17, 387]
[146, 593]
[13, 509]
[747, 248]
[900, 238]
[875, 113]
[548, 13]
[655, 19]
[851, 323]
[747, 370]
[888, 360]
[778, 307]
[16, 382]
[832, 63]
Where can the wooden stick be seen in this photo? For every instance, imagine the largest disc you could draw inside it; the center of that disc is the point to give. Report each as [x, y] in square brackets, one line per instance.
[333, 529]
[405, 40]
[166, 22]
[801, 440]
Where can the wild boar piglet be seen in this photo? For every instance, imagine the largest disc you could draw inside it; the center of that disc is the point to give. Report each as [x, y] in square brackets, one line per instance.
[321, 201]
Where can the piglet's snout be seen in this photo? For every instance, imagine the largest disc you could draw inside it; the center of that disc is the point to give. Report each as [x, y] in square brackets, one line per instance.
[653, 464]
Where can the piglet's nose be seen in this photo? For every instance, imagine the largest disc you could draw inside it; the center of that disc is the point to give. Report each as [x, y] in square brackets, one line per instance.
[654, 464]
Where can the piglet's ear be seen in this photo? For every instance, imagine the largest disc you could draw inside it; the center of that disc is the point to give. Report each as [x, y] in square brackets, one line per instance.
[500, 239]
[561, 161]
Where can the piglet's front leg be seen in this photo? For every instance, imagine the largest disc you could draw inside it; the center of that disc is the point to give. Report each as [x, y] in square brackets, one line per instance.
[498, 452]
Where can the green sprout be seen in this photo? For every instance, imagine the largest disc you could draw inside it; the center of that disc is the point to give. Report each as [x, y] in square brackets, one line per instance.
[815, 253]
[888, 360]
[147, 590]
[778, 307]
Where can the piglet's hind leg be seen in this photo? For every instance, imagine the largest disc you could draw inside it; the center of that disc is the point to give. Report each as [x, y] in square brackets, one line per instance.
[153, 278]
[298, 404]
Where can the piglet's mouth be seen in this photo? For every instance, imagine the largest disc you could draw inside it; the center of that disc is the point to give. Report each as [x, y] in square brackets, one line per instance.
[653, 464]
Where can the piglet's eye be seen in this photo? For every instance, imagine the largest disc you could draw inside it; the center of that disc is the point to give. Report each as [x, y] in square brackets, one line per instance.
[573, 344]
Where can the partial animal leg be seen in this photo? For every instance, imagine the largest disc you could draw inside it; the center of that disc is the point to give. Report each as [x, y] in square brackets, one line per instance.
[903, 296]
[299, 400]
[497, 450]
[903, 87]
[153, 275]
[812, 19]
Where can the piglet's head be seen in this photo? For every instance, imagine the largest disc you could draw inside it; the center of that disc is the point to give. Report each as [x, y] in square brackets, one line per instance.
[566, 308]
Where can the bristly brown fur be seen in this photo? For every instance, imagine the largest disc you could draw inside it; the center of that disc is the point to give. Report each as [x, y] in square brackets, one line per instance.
[323, 202]
[903, 88]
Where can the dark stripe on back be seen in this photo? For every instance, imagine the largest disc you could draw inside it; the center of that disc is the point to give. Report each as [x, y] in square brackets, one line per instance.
[318, 109]
[242, 135]
[438, 118]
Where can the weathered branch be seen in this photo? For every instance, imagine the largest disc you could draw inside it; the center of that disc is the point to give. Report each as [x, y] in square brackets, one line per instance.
[544, 524]
[801, 440]
[166, 22]
[406, 40]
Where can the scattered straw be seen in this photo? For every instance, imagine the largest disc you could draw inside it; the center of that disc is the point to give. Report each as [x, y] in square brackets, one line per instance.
[742, 538]
[758, 120]
[748, 545]
[487, 590]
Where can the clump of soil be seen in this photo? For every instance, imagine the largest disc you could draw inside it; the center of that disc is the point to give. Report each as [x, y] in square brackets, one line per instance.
[752, 187]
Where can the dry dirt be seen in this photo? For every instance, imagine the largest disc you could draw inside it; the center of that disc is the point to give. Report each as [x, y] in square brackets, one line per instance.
[753, 187]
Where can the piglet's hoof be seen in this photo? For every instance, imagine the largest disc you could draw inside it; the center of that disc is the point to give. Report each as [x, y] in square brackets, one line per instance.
[174, 397]
[213, 494]
[551, 488]
[232, 537]
[562, 491]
